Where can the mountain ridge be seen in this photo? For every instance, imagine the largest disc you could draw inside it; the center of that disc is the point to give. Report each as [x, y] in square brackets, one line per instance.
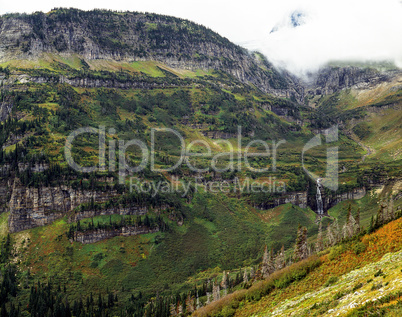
[177, 43]
[159, 251]
[133, 36]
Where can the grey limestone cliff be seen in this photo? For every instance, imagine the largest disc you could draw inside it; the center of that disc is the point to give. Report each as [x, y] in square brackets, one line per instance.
[132, 36]
[332, 79]
[31, 207]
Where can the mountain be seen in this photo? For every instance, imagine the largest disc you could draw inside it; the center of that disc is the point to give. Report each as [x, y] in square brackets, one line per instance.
[154, 242]
[355, 277]
[128, 36]
[293, 20]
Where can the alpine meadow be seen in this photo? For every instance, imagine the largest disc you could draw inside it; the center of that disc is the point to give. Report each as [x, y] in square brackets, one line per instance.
[151, 167]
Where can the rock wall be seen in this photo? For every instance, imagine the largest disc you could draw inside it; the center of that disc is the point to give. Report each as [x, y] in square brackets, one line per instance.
[5, 108]
[31, 207]
[102, 234]
[295, 198]
[119, 210]
[357, 193]
[303, 200]
[331, 200]
[332, 79]
[134, 36]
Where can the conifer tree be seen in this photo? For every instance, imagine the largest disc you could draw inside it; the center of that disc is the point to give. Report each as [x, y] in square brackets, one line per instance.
[371, 227]
[349, 213]
[271, 262]
[336, 231]
[245, 276]
[224, 283]
[391, 208]
[280, 259]
[380, 216]
[216, 292]
[252, 273]
[330, 236]
[301, 250]
[319, 244]
[357, 228]
[265, 266]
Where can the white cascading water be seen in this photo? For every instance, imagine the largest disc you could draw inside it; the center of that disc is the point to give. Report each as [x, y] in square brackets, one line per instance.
[320, 209]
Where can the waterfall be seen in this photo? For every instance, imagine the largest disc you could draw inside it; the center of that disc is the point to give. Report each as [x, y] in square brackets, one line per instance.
[320, 209]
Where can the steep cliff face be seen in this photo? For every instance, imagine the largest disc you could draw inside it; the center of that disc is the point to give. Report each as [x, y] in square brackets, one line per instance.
[5, 109]
[102, 234]
[295, 198]
[304, 200]
[132, 36]
[31, 207]
[137, 83]
[332, 79]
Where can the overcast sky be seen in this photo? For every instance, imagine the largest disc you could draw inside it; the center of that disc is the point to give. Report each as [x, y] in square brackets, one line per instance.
[364, 30]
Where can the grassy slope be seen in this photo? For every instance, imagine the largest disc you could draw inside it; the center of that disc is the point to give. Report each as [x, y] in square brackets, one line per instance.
[58, 64]
[310, 296]
[218, 232]
[381, 127]
[159, 261]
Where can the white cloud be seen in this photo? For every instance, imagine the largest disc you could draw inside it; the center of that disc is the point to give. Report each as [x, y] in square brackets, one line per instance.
[363, 30]
[342, 30]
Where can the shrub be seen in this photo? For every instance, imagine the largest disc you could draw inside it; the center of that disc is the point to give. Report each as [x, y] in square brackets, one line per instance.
[376, 286]
[339, 295]
[98, 257]
[357, 286]
[279, 279]
[331, 280]
[359, 247]
[227, 312]
[336, 252]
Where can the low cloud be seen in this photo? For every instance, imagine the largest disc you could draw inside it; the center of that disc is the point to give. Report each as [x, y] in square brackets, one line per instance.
[342, 30]
[326, 30]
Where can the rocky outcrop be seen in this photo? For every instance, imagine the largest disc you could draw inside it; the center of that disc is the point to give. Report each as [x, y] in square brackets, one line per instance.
[102, 234]
[133, 36]
[304, 200]
[84, 82]
[295, 198]
[5, 108]
[357, 193]
[31, 207]
[332, 79]
[119, 210]
[219, 135]
[4, 195]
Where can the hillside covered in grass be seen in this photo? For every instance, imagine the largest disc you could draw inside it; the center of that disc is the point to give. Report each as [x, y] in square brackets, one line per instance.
[356, 277]
[81, 243]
